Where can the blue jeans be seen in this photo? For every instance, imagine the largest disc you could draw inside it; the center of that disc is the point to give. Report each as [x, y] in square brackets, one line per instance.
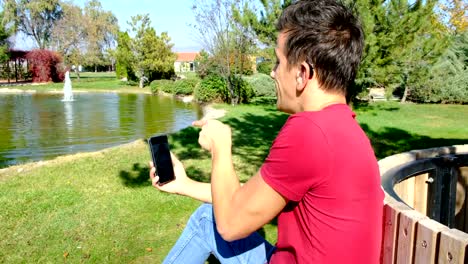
[200, 239]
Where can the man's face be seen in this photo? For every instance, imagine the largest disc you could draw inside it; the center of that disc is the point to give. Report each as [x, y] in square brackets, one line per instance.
[285, 78]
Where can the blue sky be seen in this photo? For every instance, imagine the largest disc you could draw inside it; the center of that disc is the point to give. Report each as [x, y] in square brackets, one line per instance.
[172, 16]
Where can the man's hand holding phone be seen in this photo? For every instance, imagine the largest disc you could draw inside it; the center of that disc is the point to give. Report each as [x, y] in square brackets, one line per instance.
[178, 185]
[166, 171]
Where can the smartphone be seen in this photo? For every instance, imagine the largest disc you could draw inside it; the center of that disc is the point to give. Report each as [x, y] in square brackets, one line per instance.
[161, 155]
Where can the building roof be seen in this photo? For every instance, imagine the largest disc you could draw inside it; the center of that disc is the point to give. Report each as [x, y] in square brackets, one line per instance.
[17, 54]
[186, 56]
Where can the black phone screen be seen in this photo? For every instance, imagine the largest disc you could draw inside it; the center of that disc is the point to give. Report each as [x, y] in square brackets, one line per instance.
[161, 155]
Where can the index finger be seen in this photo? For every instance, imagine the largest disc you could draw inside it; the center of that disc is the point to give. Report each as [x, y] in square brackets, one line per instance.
[199, 123]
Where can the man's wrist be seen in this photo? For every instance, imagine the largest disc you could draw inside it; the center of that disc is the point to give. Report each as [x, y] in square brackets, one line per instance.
[186, 187]
[221, 150]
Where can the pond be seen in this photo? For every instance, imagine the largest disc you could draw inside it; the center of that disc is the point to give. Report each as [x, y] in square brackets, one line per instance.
[40, 126]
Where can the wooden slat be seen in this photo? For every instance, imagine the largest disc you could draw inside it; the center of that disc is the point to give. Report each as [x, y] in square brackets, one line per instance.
[453, 245]
[410, 186]
[427, 239]
[406, 235]
[390, 217]
[463, 177]
[398, 188]
[405, 191]
[460, 205]
[420, 193]
[465, 208]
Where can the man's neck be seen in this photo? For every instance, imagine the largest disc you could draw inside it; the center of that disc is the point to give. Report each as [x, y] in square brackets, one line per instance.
[317, 100]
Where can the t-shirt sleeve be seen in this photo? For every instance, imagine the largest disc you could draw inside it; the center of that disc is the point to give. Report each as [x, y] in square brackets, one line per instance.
[298, 160]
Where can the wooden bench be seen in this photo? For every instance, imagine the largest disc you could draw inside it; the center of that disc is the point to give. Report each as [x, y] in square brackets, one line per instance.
[409, 236]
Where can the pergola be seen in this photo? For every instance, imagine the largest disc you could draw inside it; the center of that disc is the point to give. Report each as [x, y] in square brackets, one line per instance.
[15, 69]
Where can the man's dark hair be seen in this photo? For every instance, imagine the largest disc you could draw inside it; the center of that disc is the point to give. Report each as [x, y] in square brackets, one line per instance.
[327, 35]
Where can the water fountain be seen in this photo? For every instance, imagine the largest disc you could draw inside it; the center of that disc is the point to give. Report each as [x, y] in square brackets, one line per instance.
[67, 88]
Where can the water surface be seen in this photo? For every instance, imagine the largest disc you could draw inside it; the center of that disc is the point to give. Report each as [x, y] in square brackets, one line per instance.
[40, 126]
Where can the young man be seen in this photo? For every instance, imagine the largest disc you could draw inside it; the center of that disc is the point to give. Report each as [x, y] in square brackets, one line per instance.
[320, 178]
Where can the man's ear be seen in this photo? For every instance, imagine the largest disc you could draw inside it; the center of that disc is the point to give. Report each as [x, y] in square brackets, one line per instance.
[302, 76]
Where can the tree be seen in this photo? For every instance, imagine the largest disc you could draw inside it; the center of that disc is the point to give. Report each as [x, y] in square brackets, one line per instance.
[448, 81]
[262, 21]
[416, 44]
[85, 36]
[152, 57]
[35, 18]
[454, 12]
[124, 57]
[4, 44]
[69, 35]
[101, 29]
[45, 66]
[228, 42]
[403, 39]
[264, 25]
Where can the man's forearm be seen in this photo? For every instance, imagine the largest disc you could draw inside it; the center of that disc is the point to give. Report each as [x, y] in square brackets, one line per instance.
[198, 190]
[224, 184]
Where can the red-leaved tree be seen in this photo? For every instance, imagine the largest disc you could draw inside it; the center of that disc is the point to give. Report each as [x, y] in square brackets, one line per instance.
[45, 66]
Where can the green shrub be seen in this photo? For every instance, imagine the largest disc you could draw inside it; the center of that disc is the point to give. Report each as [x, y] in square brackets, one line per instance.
[166, 86]
[265, 67]
[263, 100]
[242, 89]
[262, 84]
[444, 89]
[185, 86]
[211, 88]
[129, 83]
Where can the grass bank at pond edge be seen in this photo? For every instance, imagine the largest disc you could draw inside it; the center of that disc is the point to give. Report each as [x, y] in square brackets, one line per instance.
[88, 82]
[100, 207]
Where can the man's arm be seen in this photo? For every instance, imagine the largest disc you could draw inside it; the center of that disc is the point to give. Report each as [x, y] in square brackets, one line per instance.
[247, 209]
[239, 210]
[182, 184]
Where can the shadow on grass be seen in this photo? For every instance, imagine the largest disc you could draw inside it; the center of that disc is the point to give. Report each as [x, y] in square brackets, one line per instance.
[363, 106]
[253, 135]
[254, 132]
[390, 141]
[137, 177]
[186, 142]
[252, 138]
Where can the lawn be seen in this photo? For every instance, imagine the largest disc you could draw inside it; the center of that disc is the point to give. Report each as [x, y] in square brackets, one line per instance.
[394, 127]
[101, 208]
[88, 81]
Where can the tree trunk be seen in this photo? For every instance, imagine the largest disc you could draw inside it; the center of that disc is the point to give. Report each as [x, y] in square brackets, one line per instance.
[16, 71]
[141, 82]
[405, 94]
[8, 70]
[405, 83]
[231, 90]
[77, 73]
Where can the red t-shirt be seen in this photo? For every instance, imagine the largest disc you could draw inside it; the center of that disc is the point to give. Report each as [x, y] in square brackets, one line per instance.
[323, 163]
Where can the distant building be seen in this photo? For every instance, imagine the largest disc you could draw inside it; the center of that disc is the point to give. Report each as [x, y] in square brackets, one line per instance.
[185, 62]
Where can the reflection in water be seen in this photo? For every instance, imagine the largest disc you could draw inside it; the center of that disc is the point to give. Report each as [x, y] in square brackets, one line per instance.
[39, 126]
[68, 110]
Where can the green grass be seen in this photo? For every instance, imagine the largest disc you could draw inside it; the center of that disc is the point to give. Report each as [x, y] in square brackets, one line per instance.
[101, 208]
[88, 81]
[96, 208]
[395, 128]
